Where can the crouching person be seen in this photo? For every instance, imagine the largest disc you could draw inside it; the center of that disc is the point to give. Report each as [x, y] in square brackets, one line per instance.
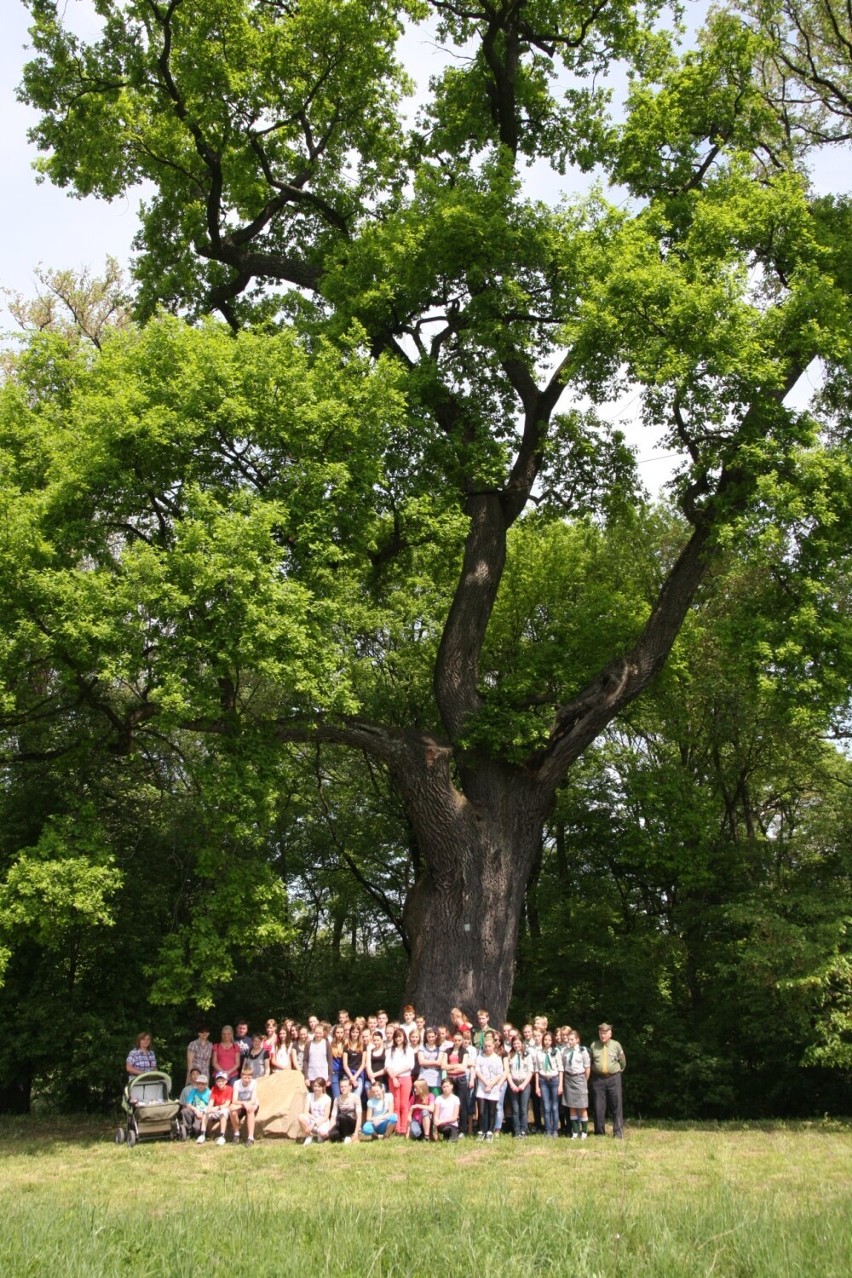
[381, 1120]
[245, 1104]
[315, 1119]
[421, 1112]
[447, 1111]
[345, 1114]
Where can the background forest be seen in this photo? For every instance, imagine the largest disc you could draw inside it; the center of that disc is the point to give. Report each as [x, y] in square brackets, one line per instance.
[314, 611]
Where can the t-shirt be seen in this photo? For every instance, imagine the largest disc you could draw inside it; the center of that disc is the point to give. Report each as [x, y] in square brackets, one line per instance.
[228, 1058]
[491, 1068]
[400, 1060]
[220, 1096]
[198, 1097]
[430, 1074]
[245, 1093]
[447, 1110]
[347, 1105]
[318, 1060]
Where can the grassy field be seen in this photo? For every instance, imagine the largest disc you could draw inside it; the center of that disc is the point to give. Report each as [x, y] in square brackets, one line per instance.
[773, 1199]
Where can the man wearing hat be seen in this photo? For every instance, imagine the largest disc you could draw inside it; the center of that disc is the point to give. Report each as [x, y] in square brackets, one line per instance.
[608, 1064]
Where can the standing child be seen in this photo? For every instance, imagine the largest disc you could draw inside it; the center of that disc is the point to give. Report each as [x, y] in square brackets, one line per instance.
[489, 1074]
[576, 1067]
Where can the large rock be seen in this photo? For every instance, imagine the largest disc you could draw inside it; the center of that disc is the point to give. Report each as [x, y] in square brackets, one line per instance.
[282, 1096]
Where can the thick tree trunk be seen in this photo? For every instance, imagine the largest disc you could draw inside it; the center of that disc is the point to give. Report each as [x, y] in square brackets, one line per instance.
[463, 912]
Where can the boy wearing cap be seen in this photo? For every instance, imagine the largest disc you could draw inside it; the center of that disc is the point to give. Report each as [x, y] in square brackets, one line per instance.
[221, 1095]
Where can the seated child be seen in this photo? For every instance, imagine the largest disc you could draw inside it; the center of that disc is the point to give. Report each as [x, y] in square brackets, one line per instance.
[245, 1104]
[345, 1114]
[447, 1110]
[194, 1103]
[221, 1095]
[380, 1116]
[315, 1120]
[421, 1113]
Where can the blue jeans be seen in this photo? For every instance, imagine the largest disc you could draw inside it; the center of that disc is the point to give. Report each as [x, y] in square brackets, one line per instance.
[520, 1102]
[550, 1104]
[380, 1126]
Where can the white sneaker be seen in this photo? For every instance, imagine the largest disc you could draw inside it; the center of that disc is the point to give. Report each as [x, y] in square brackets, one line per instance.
[347, 1140]
[309, 1140]
[489, 1135]
[201, 1140]
[220, 1140]
[575, 1136]
[584, 1135]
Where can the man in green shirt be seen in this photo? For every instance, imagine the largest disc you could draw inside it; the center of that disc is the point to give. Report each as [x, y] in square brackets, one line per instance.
[608, 1064]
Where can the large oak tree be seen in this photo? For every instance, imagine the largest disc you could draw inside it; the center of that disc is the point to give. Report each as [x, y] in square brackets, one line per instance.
[441, 335]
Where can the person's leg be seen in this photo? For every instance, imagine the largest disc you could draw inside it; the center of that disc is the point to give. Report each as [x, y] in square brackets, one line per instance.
[536, 1105]
[415, 1131]
[547, 1098]
[251, 1119]
[599, 1102]
[404, 1103]
[617, 1109]
[235, 1123]
[521, 1101]
[395, 1091]
[368, 1129]
[387, 1125]
[501, 1111]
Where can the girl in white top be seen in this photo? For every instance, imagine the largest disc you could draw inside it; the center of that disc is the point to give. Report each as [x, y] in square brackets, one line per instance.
[315, 1120]
[447, 1111]
[399, 1066]
[489, 1073]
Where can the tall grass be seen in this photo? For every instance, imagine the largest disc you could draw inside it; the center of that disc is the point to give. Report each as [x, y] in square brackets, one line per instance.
[725, 1201]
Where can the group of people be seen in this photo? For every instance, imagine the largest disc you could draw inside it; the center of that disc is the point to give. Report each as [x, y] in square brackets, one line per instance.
[370, 1077]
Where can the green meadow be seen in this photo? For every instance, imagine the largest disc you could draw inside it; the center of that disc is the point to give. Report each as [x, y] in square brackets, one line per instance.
[772, 1199]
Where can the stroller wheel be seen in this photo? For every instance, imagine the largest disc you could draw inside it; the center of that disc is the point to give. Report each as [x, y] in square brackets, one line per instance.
[120, 1136]
[131, 1137]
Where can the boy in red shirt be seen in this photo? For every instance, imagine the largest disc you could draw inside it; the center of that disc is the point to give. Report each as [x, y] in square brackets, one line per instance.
[221, 1095]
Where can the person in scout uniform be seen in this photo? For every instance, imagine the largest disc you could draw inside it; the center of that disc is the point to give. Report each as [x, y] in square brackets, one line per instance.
[608, 1064]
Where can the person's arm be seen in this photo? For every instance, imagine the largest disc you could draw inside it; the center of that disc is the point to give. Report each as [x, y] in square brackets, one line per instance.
[622, 1059]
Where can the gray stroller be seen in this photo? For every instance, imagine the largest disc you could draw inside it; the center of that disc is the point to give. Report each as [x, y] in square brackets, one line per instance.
[150, 1112]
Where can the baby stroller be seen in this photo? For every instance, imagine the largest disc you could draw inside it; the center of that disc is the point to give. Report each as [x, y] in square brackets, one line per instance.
[150, 1113]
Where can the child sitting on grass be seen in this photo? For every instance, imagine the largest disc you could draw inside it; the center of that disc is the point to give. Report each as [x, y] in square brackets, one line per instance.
[381, 1120]
[422, 1112]
[315, 1120]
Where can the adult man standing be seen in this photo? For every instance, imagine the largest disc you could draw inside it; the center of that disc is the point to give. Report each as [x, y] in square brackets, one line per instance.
[608, 1064]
